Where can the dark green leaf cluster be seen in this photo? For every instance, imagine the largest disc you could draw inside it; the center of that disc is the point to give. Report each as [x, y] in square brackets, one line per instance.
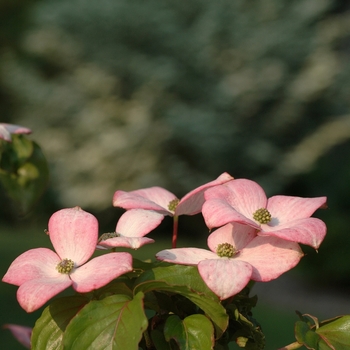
[332, 334]
[158, 306]
[24, 172]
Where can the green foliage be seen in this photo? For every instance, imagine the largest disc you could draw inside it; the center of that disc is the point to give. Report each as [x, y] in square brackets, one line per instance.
[186, 281]
[50, 327]
[331, 334]
[161, 307]
[24, 172]
[114, 322]
[194, 332]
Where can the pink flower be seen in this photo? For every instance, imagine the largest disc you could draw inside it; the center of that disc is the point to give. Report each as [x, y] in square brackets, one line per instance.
[131, 228]
[21, 333]
[236, 256]
[245, 202]
[42, 273]
[7, 129]
[162, 201]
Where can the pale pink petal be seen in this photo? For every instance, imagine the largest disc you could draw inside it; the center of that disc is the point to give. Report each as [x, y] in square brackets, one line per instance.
[33, 294]
[100, 270]
[5, 134]
[270, 257]
[138, 222]
[310, 231]
[287, 208]
[235, 234]
[192, 202]
[21, 333]
[218, 212]
[126, 242]
[74, 233]
[185, 256]
[225, 277]
[152, 198]
[39, 263]
[7, 129]
[244, 195]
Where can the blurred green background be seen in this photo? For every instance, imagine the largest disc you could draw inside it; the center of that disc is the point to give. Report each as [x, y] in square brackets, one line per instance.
[127, 94]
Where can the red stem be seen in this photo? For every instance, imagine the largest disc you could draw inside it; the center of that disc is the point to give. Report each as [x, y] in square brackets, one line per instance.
[175, 226]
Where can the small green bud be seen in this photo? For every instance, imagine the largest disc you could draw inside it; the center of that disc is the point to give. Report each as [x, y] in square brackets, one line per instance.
[262, 216]
[225, 250]
[65, 266]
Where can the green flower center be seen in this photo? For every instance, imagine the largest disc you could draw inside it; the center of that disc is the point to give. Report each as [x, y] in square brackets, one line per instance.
[173, 204]
[108, 235]
[262, 216]
[226, 250]
[65, 266]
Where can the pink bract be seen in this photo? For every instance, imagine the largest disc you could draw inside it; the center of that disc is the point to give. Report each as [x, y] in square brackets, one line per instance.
[238, 200]
[257, 258]
[164, 202]
[131, 228]
[7, 129]
[21, 333]
[73, 233]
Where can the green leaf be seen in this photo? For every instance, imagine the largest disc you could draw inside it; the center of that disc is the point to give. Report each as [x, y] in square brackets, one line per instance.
[49, 328]
[193, 333]
[159, 341]
[24, 173]
[178, 275]
[305, 336]
[115, 322]
[336, 333]
[23, 147]
[186, 281]
[112, 288]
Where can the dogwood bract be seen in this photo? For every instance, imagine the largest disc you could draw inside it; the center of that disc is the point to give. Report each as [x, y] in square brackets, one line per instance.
[286, 217]
[164, 202]
[7, 129]
[21, 333]
[236, 256]
[131, 228]
[42, 273]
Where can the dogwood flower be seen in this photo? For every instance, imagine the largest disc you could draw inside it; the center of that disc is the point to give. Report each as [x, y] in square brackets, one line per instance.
[286, 217]
[7, 129]
[42, 273]
[164, 202]
[236, 256]
[21, 333]
[131, 228]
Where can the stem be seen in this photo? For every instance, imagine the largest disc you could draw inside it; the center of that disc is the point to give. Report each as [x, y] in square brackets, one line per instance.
[175, 226]
[292, 346]
[148, 340]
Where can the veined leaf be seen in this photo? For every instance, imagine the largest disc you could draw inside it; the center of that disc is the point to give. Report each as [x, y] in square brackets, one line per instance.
[115, 322]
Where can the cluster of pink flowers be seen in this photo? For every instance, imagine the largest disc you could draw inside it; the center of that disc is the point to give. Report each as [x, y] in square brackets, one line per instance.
[255, 238]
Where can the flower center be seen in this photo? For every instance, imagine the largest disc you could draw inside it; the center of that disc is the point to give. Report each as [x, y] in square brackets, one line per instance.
[173, 204]
[226, 250]
[262, 216]
[108, 235]
[65, 266]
